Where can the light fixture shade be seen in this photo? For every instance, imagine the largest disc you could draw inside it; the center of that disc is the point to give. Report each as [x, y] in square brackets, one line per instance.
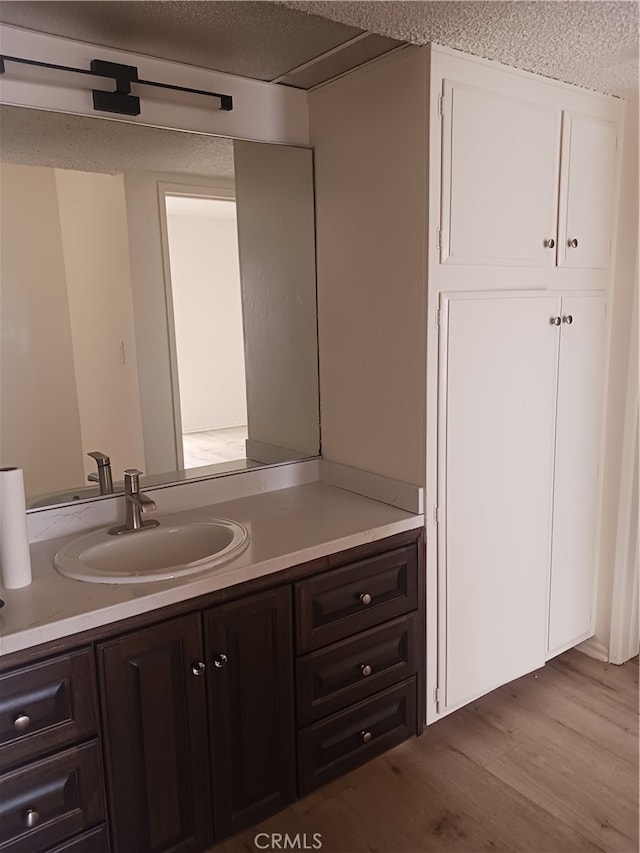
[100, 79]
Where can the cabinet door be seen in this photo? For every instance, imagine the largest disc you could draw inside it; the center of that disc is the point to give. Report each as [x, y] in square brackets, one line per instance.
[156, 744]
[578, 425]
[500, 158]
[589, 163]
[249, 652]
[497, 411]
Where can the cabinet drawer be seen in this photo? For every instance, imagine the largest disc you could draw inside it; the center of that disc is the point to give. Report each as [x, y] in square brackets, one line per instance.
[47, 706]
[350, 670]
[344, 601]
[352, 737]
[61, 795]
[94, 841]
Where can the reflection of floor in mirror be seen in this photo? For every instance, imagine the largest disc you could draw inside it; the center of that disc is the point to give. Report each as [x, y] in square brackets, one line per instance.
[214, 445]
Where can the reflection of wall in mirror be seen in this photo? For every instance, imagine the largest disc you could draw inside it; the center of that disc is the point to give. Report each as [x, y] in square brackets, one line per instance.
[66, 321]
[276, 240]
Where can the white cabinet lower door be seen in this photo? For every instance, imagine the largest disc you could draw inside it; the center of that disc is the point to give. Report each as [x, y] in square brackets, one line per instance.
[498, 365]
[578, 423]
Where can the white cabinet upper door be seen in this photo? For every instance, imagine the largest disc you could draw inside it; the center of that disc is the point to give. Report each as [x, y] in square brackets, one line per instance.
[578, 425]
[498, 364]
[588, 182]
[500, 158]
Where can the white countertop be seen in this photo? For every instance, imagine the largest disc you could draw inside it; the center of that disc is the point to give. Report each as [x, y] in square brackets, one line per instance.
[286, 527]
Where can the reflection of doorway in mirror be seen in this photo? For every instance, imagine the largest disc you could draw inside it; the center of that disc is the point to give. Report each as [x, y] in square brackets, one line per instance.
[209, 368]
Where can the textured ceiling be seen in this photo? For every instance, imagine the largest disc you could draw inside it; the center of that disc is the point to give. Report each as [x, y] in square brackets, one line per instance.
[41, 138]
[587, 42]
[590, 43]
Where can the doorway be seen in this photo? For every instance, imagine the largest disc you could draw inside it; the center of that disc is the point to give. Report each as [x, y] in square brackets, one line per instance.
[205, 310]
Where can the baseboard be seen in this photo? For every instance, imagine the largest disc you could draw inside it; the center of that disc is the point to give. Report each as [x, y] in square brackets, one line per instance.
[594, 649]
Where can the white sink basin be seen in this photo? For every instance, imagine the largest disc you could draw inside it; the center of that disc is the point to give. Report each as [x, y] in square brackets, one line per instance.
[171, 550]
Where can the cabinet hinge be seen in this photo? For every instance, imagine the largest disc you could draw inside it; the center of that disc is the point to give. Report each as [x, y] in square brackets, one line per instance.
[438, 238]
[438, 317]
[436, 511]
[436, 695]
[441, 106]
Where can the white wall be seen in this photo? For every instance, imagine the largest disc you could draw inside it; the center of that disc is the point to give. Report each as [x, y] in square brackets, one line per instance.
[40, 428]
[93, 221]
[205, 282]
[369, 130]
[277, 264]
[618, 458]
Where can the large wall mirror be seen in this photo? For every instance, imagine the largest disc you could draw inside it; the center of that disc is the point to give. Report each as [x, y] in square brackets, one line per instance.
[157, 303]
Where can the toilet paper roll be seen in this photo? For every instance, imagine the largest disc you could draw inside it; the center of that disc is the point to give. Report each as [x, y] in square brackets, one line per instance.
[14, 542]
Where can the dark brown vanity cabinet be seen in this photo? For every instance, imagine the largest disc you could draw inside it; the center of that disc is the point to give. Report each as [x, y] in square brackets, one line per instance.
[249, 654]
[358, 632]
[154, 702]
[51, 787]
[199, 737]
[215, 714]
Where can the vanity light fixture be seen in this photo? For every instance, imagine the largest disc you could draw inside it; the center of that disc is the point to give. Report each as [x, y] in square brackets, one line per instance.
[103, 74]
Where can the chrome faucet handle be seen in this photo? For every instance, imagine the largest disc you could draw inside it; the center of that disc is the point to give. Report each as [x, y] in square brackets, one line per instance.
[103, 477]
[136, 503]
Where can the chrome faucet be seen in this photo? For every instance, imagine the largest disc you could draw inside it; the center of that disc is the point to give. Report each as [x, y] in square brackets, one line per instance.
[135, 504]
[103, 477]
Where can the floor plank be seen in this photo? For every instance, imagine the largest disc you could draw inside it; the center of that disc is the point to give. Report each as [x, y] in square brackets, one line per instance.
[547, 764]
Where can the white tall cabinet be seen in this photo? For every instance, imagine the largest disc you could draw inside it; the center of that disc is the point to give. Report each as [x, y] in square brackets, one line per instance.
[523, 177]
[520, 402]
[443, 255]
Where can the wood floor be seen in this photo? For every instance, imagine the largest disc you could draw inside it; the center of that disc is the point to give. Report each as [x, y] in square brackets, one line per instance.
[547, 764]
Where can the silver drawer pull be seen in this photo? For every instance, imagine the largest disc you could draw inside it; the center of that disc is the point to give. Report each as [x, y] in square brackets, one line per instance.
[22, 723]
[365, 598]
[365, 736]
[198, 668]
[31, 818]
[220, 660]
[366, 670]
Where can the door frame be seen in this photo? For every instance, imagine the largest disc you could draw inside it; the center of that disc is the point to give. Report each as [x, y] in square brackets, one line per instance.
[165, 190]
[624, 632]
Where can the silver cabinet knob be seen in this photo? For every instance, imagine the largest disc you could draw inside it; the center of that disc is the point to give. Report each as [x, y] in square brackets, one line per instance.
[198, 668]
[22, 722]
[549, 244]
[555, 321]
[366, 599]
[366, 670]
[31, 818]
[365, 737]
[573, 243]
[568, 319]
[220, 660]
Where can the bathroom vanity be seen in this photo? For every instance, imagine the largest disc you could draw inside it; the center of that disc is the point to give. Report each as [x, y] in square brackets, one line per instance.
[257, 683]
